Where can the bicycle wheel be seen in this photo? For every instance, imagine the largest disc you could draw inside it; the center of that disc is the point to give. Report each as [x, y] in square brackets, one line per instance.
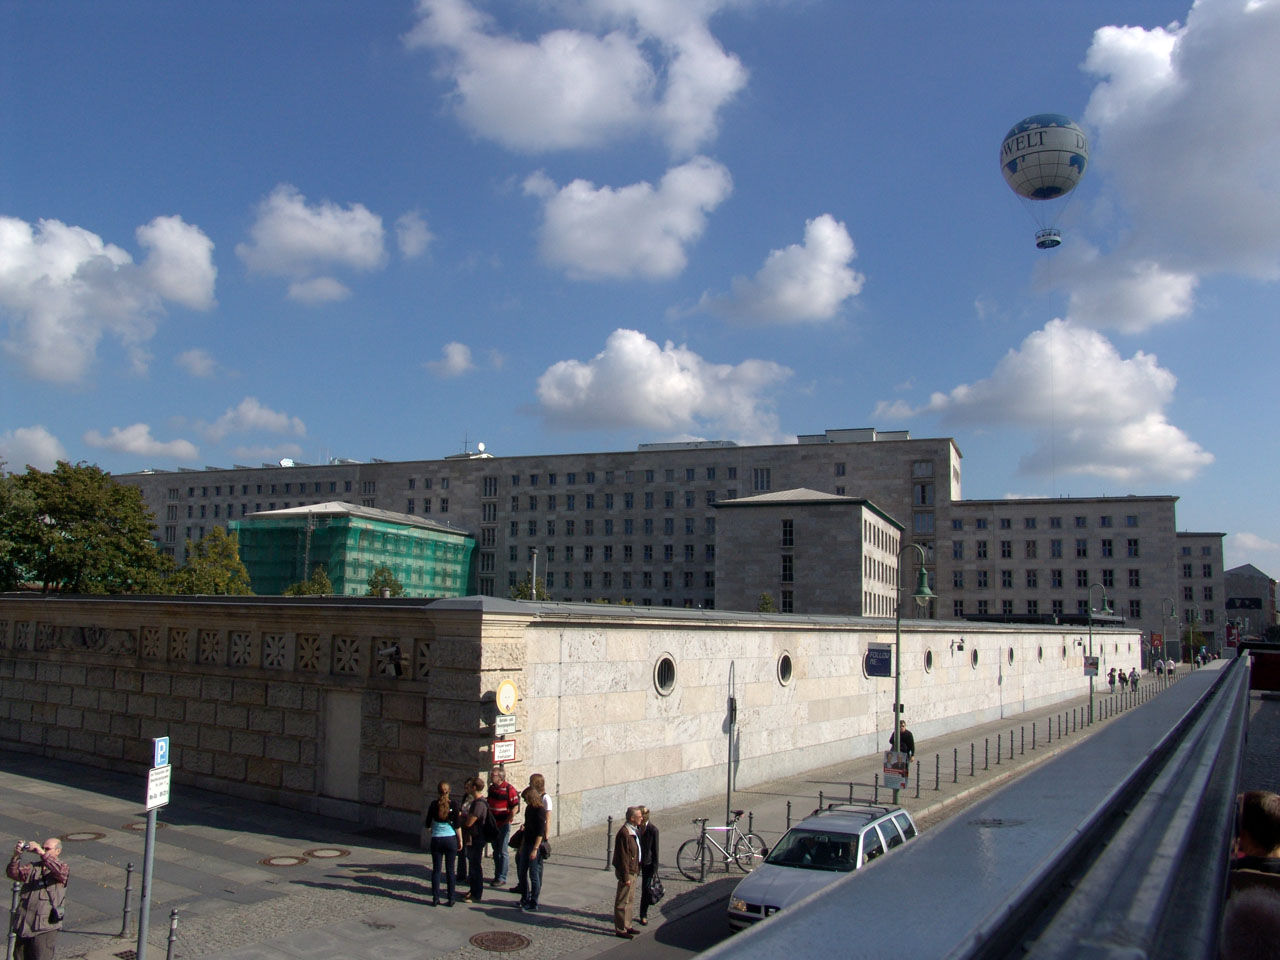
[748, 850]
[693, 859]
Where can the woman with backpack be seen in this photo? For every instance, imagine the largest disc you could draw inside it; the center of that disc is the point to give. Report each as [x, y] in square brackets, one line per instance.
[442, 821]
[475, 817]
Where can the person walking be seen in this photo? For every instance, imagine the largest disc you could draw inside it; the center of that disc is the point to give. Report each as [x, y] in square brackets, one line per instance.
[1133, 679]
[475, 813]
[1111, 679]
[648, 862]
[538, 784]
[442, 821]
[504, 802]
[627, 861]
[903, 741]
[529, 855]
[41, 899]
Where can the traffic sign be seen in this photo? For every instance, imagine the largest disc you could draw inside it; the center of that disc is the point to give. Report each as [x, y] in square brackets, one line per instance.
[158, 780]
[505, 723]
[504, 751]
[161, 746]
[507, 696]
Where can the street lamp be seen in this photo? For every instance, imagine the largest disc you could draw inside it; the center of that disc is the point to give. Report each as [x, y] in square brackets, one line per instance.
[1105, 609]
[1169, 613]
[1194, 621]
[922, 596]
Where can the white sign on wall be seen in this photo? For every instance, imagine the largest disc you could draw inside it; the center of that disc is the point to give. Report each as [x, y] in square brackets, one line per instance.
[504, 751]
[158, 780]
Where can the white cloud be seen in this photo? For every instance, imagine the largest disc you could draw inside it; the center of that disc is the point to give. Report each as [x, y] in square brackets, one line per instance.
[318, 290]
[137, 440]
[652, 68]
[635, 382]
[63, 289]
[34, 446]
[635, 230]
[250, 415]
[1253, 543]
[198, 363]
[293, 239]
[801, 283]
[1091, 411]
[1188, 136]
[455, 362]
[412, 235]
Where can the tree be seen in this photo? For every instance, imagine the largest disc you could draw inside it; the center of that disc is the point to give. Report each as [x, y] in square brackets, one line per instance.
[383, 578]
[17, 512]
[318, 586]
[523, 591]
[76, 530]
[765, 604]
[213, 567]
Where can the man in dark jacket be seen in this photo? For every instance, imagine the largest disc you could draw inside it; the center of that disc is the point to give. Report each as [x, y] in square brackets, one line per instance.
[903, 741]
[40, 903]
[626, 867]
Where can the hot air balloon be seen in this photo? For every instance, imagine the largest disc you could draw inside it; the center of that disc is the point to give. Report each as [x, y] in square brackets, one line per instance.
[1042, 159]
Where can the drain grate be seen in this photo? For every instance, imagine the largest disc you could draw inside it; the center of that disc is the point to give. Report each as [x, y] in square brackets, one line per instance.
[82, 835]
[326, 853]
[500, 941]
[127, 955]
[283, 861]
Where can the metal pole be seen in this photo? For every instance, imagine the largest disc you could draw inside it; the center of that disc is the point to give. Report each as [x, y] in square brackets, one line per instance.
[971, 753]
[728, 766]
[608, 843]
[917, 779]
[13, 912]
[955, 764]
[144, 903]
[875, 788]
[128, 890]
[1022, 736]
[986, 753]
[173, 933]
[788, 814]
[897, 642]
[999, 748]
[819, 799]
[937, 771]
[851, 791]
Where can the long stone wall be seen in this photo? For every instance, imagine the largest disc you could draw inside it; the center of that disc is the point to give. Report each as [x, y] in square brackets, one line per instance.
[355, 708]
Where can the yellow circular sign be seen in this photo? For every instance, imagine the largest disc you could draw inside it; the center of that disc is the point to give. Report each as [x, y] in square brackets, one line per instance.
[507, 696]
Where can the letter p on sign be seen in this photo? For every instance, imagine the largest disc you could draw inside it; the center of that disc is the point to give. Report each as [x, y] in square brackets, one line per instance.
[161, 745]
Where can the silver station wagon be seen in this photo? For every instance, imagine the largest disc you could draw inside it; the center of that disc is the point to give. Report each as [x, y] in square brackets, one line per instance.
[815, 853]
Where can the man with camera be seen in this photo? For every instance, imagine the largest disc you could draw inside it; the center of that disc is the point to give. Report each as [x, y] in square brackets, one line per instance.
[44, 890]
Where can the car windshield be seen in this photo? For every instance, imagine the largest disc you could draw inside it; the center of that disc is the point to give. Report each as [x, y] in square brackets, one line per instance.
[816, 850]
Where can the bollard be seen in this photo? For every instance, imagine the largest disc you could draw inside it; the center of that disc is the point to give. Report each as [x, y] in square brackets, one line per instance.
[1022, 739]
[999, 748]
[13, 913]
[173, 933]
[971, 753]
[937, 771]
[955, 764]
[788, 814]
[851, 791]
[128, 889]
[819, 799]
[1010, 744]
[608, 843]
[1033, 735]
[917, 779]
[986, 753]
[875, 788]
[751, 821]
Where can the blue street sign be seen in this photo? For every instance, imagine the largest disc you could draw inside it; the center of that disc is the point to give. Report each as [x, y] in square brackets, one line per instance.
[879, 661]
[162, 751]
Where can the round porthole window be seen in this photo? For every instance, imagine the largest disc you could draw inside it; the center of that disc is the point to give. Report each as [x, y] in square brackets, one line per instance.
[664, 674]
[928, 661]
[784, 668]
[973, 658]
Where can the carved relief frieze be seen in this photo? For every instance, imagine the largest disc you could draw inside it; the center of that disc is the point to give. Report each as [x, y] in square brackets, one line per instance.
[101, 639]
[4, 634]
[311, 652]
[45, 637]
[346, 655]
[274, 650]
[242, 649]
[212, 647]
[152, 643]
[22, 635]
[179, 643]
[421, 659]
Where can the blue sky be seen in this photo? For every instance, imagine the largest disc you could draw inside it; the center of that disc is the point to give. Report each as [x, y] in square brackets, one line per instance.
[391, 229]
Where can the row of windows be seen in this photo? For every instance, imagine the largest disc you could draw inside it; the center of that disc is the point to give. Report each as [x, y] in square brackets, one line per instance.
[320, 486]
[551, 502]
[1107, 578]
[411, 505]
[1031, 549]
[1032, 608]
[648, 527]
[1206, 570]
[607, 553]
[205, 511]
[610, 476]
[878, 537]
[1029, 523]
[1204, 551]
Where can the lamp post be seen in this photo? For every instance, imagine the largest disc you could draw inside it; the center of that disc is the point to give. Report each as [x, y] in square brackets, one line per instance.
[922, 596]
[1104, 610]
[1167, 613]
[1195, 619]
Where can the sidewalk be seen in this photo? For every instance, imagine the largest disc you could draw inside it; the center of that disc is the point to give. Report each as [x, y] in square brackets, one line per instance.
[251, 881]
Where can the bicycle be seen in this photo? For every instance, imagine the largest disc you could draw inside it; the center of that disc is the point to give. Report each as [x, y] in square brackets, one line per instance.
[694, 858]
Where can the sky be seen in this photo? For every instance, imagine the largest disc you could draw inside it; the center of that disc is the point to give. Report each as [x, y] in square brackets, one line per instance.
[398, 229]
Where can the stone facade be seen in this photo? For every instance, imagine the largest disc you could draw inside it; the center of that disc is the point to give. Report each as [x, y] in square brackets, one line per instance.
[1251, 599]
[300, 701]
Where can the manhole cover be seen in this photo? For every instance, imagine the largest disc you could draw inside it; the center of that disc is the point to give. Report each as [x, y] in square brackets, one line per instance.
[86, 835]
[283, 861]
[326, 853]
[500, 941]
[127, 955]
[996, 822]
[141, 826]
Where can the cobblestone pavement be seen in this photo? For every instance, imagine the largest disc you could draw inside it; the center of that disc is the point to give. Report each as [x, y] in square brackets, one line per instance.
[1262, 749]
[359, 895]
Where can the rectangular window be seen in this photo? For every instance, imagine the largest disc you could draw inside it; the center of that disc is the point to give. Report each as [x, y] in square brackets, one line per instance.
[551, 528]
[1208, 616]
[1029, 523]
[922, 523]
[444, 504]
[588, 554]
[982, 579]
[1082, 579]
[1208, 594]
[788, 569]
[761, 479]
[689, 523]
[533, 503]
[957, 608]
[571, 478]
[1057, 607]
[1131, 549]
[514, 529]
[1135, 609]
[1108, 578]
[569, 528]
[1082, 548]
[982, 549]
[1033, 608]
[648, 500]
[788, 533]
[957, 549]
[589, 501]
[1104, 521]
[982, 608]
[1055, 548]
[1033, 579]
[648, 526]
[788, 602]
[1055, 579]
[1006, 608]
[1205, 571]
[922, 468]
[607, 552]
[1006, 523]
[839, 469]
[570, 501]
[1081, 522]
[1106, 548]
[689, 499]
[628, 527]
[980, 523]
[1186, 570]
[709, 553]
[1031, 549]
[1135, 579]
[608, 528]
[608, 501]
[1055, 523]
[1006, 549]
[923, 495]
[668, 553]
[688, 553]
[648, 553]
[957, 579]
[957, 524]
[1188, 593]
[1131, 520]
[669, 526]
[1006, 579]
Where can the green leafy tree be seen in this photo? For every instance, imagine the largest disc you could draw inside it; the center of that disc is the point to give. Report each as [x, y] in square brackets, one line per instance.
[76, 530]
[382, 578]
[318, 586]
[765, 604]
[17, 512]
[525, 591]
[213, 567]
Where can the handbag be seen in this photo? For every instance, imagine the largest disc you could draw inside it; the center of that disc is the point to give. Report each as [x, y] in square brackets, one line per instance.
[544, 851]
[516, 838]
[656, 892]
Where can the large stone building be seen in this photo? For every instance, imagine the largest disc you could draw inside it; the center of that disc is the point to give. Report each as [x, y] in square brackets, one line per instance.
[641, 526]
[1251, 599]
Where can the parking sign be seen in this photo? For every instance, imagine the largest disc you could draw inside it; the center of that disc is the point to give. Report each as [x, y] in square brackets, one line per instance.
[161, 745]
